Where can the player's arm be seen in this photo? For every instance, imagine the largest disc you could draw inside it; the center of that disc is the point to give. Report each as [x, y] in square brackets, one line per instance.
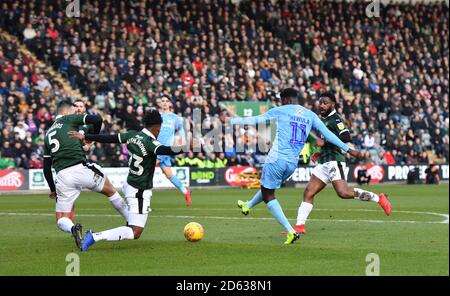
[344, 133]
[252, 120]
[96, 121]
[345, 136]
[158, 149]
[48, 172]
[94, 137]
[319, 126]
[115, 138]
[167, 150]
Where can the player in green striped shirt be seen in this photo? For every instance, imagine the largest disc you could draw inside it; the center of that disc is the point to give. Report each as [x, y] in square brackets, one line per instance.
[80, 109]
[331, 167]
[73, 172]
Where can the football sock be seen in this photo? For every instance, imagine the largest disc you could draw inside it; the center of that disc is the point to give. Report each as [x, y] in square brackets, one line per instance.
[175, 181]
[119, 204]
[303, 212]
[255, 200]
[65, 224]
[366, 195]
[115, 234]
[276, 211]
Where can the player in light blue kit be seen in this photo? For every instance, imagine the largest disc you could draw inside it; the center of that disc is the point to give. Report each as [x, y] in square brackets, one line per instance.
[294, 123]
[172, 124]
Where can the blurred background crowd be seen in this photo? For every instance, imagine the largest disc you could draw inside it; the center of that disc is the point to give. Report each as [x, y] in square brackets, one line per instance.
[390, 74]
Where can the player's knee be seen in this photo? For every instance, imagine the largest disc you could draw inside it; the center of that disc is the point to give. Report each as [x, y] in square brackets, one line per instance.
[137, 232]
[109, 189]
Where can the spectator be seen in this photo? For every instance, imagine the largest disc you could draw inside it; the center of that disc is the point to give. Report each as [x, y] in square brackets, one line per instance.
[363, 177]
[6, 163]
[432, 174]
[369, 141]
[34, 162]
[211, 161]
[379, 158]
[21, 129]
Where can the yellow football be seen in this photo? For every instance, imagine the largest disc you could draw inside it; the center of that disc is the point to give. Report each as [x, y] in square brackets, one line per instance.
[193, 231]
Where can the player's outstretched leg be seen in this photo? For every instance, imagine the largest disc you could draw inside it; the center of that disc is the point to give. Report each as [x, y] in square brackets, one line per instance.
[277, 212]
[115, 234]
[246, 206]
[381, 199]
[137, 219]
[342, 189]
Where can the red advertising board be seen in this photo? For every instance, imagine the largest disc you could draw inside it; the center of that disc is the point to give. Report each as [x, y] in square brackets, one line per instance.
[241, 176]
[11, 180]
[375, 171]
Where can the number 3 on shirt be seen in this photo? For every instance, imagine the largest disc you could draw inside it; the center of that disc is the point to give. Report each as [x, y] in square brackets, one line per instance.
[136, 164]
[295, 136]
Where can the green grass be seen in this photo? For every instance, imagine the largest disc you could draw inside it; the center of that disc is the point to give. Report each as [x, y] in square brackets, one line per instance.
[339, 236]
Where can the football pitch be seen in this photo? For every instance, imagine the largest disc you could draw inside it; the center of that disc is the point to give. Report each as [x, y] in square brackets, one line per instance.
[414, 240]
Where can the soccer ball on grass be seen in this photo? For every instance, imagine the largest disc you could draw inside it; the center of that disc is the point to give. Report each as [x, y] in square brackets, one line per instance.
[193, 231]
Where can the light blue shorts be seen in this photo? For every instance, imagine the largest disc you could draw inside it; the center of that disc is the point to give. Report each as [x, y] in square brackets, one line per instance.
[164, 161]
[275, 173]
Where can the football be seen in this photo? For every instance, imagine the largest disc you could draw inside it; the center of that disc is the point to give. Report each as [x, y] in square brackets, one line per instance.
[193, 231]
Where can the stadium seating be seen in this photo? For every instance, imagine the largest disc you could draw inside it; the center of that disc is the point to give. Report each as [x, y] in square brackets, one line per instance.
[201, 53]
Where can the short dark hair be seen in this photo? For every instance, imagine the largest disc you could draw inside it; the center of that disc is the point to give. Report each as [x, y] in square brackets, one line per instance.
[152, 117]
[289, 96]
[289, 93]
[79, 100]
[64, 105]
[328, 95]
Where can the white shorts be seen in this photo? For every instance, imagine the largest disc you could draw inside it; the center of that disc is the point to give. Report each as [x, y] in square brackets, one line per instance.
[70, 181]
[138, 204]
[330, 171]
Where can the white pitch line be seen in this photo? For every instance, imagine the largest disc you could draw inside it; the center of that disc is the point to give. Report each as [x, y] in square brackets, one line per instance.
[254, 218]
[445, 216]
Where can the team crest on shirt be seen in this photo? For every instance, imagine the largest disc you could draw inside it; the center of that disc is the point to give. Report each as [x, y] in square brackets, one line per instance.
[340, 126]
[299, 111]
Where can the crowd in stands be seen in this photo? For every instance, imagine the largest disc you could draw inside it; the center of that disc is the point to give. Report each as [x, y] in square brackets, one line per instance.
[390, 74]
